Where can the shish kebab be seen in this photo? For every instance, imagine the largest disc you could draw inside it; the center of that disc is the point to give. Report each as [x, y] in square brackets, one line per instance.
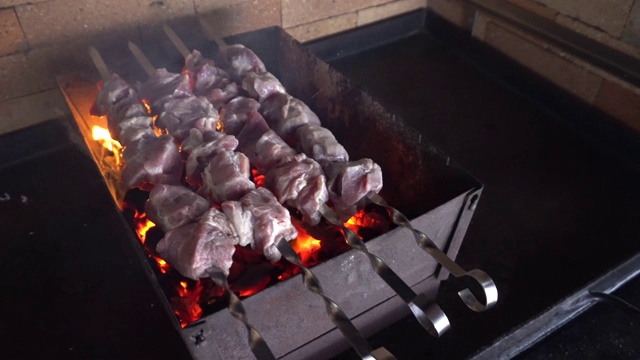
[210, 224]
[198, 244]
[272, 157]
[206, 152]
[319, 144]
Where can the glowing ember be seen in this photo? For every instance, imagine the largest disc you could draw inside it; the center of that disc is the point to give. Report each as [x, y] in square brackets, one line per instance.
[258, 178]
[220, 126]
[187, 307]
[307, 247]
[142, 225]
[162, 265]
[101, 134]
[359, 220]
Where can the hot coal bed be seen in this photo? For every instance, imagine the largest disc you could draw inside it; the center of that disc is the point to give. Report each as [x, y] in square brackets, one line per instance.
[420, 180]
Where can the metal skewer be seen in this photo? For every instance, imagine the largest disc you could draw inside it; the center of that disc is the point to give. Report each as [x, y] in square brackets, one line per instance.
[427, 312]
[489, 289]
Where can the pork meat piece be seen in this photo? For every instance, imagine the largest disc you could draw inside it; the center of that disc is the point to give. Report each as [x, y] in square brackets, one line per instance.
[194, 62]
[234, 114]
[163, 86]
[262, 85]
[193, 248]
[239, 60]
[170, 206]
[320, 144]
[350, 182]
[180, 115]
[200, 156]
[126, 108]
[152, 161]
[112, 91]
[261, 220]
[209, 77]
[220, 96]
[226, 177]
[301, 184]
[196, 139]
[134, 129]
[285, 114]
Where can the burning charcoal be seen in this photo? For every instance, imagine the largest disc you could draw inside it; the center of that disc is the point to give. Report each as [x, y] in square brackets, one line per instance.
[261, 220]
[262, 85]
[234, 114]
[193, 248]
[285, 114]
[182, 114]
[152, 161]
[226, 177]
[171, 206]
[350, 182]
[240, 60]
[320, 144]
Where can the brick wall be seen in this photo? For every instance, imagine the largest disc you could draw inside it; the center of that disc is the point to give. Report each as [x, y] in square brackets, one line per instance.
[615, 23]
[41, 38]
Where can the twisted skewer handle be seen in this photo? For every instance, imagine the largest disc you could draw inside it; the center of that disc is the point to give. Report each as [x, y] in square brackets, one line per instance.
[337, 316]
[489, 290]
[258, 346]
[428, 313]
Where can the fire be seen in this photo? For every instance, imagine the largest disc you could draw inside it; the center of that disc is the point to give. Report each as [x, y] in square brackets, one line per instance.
[101, 134]
[220, 126]
[186, 307]
[162, 265]
[357, 221]
[142, 225]
[306, 246]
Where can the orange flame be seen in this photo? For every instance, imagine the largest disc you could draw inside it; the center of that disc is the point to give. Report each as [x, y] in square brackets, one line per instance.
[101, 134]
[187, 307]
[162, 265]
[306, 246]
[142, 225]
[357, 221]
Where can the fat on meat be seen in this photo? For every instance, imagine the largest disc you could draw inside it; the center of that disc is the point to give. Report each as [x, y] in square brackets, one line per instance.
[261, 221]
[350, 182]
[239, 60]
[170, 206]
[152, 161]
[226, 177]
[301, 184]
[193, 248]
[285, 114]
[262, 85]
[201, 154]
[180, 115]
[234, 114]
[112, 91]
[320, 144]
[163, 86]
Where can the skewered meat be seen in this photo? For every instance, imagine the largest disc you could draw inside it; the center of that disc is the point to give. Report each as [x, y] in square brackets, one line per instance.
[260, 220]
[194, 62]
[234, 114]
[240, 60]
[263, 147]
[162, 86]
[152, 161]
[226, 177]
[285, 114]
[113, 90]
[287, 174]
[350, 182]
[181, 114]
[171, 206]
[262, 85]
[220, 96]
[299, 183]
[134, 129]
[320, 144]
[200, 154]
[193, 248]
